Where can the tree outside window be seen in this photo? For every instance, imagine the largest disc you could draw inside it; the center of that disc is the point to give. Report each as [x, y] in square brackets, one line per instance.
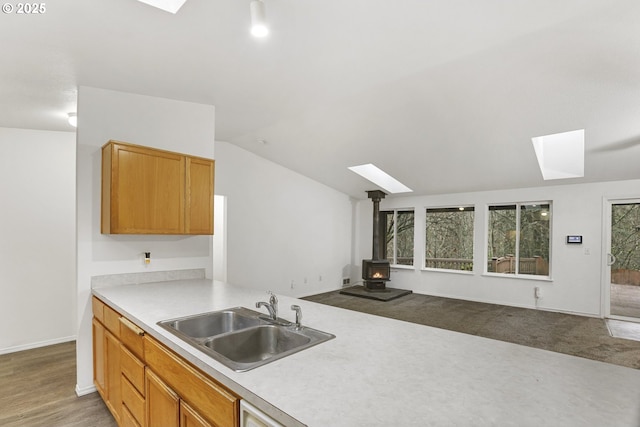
[518, 238]
[625, 239]
[449, 238]
[398, 236]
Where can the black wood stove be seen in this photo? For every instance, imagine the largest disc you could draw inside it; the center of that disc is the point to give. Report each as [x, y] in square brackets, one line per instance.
[376, 271]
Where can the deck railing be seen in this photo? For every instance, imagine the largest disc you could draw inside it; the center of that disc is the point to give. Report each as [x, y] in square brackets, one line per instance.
[450, 263]
[623, 276]
[507, 265]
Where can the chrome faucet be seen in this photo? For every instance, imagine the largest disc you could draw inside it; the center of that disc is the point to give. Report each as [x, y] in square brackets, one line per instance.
[272, 305]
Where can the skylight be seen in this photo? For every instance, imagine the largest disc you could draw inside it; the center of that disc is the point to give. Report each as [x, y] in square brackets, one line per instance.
[380, 178]
[167, 5]
[560, 155]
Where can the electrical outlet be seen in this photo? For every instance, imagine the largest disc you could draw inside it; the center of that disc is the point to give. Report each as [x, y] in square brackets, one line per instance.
[346, 281]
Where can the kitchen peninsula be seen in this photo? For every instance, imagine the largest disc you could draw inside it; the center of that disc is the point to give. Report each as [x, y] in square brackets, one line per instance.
[382, 372]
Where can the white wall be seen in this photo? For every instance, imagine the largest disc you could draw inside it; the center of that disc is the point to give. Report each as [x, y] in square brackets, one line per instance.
[37, 225]
[156, 122]
[220, 238]
[281, 226]
[576, 277]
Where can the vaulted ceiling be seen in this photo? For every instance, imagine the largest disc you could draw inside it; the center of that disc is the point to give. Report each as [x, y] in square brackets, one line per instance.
[445, 95]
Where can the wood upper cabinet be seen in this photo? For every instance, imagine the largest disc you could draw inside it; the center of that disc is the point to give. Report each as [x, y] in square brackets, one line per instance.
[151, 191]
[199, 196]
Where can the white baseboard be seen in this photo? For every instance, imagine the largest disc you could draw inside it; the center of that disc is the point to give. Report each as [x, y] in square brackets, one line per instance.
[31, 346]
[82, 391]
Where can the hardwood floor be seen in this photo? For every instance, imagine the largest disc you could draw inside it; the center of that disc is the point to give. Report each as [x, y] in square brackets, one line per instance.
[37, 389]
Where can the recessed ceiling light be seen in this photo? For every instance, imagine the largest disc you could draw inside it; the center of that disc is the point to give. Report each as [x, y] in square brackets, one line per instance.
[560, 155]
[380, 178]
[259, 26]
[171, 6]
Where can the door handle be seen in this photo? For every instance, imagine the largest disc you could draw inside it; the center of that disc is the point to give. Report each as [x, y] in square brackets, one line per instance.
[611, 259]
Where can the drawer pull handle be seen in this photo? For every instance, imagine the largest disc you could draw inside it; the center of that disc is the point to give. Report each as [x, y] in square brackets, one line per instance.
[126, 322]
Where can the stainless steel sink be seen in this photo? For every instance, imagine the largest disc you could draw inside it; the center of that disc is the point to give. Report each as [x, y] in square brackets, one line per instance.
[214, 323]
[242, 339]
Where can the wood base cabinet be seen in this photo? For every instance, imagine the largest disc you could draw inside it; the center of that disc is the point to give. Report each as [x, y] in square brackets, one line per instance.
[163, 404]
[144, 384]
[190, 418]
[151, 191]
[165, 408]
[106, 356]
[206, 399]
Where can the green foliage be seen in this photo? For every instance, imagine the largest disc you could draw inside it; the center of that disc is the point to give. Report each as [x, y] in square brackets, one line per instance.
[403, 233]
[533, 228]
[625, 235]
[450, 234]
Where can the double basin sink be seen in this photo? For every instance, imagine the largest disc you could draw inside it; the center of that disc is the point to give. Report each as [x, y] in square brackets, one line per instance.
[243, 339]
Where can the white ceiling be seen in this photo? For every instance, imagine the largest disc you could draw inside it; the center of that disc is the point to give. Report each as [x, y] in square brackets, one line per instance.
[445, 95]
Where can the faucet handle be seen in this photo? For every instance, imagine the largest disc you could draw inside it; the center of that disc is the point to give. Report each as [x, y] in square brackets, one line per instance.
[273, 300]
[298, 311]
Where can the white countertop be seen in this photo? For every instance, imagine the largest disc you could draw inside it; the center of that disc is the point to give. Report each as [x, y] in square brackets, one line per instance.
[385, 372]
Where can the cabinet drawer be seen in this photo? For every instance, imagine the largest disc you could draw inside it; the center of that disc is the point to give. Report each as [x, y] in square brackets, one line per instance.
[132, 400]
[97, 307]
[127, 419]
[133, 369]
[112, 321]
[215, 403]
[132, 337]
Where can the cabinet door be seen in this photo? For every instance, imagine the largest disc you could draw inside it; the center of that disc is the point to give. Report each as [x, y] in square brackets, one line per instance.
[190, 418]
[199, 204]
[215, 403]
[146, 191]
[163, 404]
[112, 356]
[99, 365]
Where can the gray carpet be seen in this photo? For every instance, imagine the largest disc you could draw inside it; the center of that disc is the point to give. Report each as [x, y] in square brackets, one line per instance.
[563, 333]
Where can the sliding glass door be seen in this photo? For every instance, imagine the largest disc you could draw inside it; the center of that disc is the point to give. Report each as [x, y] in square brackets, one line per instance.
[623, 259]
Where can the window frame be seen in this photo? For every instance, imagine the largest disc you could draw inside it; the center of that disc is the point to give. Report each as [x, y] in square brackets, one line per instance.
[473, 244]
[383, 232]
[518, 275]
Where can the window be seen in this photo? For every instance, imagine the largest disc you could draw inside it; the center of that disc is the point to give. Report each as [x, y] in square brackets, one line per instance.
[398, 236]
[518, 239]
[449, 238]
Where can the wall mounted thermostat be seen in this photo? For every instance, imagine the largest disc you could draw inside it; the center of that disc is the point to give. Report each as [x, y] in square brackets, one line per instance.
[574, 239]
